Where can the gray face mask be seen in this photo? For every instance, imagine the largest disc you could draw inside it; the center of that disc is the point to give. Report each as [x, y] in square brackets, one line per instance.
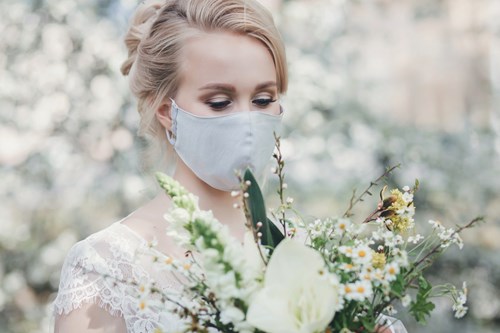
[215, 147]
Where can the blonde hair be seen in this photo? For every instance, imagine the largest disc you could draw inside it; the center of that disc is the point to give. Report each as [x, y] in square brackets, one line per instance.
[157, 33]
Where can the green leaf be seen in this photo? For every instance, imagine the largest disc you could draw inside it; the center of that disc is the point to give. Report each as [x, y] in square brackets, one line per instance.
[416, 186]
[368, 323]
[398, 286]
[422, 307]
[257, 208]
[275, 233]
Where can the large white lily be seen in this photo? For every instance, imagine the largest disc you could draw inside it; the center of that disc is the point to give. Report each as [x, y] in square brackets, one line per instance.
[299, 295]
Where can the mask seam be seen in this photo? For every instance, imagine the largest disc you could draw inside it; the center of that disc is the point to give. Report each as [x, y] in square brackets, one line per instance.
[250, 141]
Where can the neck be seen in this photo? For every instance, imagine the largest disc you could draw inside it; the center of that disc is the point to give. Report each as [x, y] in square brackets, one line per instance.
[219, 202]
[208, 195]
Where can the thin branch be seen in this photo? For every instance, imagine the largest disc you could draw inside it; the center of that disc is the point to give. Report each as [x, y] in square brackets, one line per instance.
[281, 190]
[354, 200]
[438, 247]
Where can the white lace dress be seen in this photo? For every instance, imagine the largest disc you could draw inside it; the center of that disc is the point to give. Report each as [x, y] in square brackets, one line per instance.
[100, 269]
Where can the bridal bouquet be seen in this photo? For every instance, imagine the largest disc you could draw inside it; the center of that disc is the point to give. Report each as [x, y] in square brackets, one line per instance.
[331, 275]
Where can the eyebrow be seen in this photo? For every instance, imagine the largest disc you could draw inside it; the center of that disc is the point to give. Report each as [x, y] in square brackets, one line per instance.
[232, 89]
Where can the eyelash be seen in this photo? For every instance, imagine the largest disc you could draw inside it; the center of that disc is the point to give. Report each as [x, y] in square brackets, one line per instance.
[219, 105]
[261, 102]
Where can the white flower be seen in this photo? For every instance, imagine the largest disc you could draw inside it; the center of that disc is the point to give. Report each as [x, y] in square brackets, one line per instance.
[362, 255]
[377, 235]
[456, 239]
[359, 290]
[296, 296]
[390, 310]
[343, 225]
[400, 257]
[254, 265]
[415, 239]
[407, 197]
[224, 285]
[436, 225]
[391, 271]
[459, 306]
[346, 267]
[231, 314]
[406, 300]
[253, 268]
[391, 239]
[346, 250]
[460, 311]
[178, 218]
[450, 236]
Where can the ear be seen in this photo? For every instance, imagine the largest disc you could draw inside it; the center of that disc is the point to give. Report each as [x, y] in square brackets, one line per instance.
[164, 115]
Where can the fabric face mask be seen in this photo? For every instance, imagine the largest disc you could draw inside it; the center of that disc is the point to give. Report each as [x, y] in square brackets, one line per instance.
[214, 147]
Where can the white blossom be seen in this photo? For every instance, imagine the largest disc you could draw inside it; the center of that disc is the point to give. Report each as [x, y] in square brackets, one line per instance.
[406, 300]
[294, 285]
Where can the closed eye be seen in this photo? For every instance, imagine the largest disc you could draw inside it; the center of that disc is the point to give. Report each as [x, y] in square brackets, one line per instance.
[263, 102]
[219, 105]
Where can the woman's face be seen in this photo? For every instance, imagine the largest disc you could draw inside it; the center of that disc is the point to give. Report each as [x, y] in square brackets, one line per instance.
[224, 72]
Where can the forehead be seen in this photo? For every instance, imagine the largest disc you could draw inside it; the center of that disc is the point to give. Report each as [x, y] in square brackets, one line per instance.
[226, 57]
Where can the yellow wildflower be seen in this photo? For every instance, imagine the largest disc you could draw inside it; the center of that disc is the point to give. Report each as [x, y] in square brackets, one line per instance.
[401, 223]
[398, 201]
[378, 260]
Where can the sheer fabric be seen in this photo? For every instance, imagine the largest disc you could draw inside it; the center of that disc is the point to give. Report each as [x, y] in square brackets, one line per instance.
[102, 280]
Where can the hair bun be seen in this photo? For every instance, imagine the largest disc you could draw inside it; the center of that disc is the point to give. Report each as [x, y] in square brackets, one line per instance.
[141, 22]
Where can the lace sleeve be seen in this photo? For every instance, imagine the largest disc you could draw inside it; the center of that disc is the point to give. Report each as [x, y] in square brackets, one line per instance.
[101, 282]
[89, 318]
[87, 278]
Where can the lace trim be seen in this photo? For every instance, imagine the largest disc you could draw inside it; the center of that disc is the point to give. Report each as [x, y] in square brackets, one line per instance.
[64, 304]
[98, 269]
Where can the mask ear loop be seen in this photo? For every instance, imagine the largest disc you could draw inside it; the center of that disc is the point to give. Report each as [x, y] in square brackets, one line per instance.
[172, 137]
[282, 110]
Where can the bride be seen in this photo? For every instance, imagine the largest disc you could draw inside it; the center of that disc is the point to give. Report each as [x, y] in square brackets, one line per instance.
[194, 66]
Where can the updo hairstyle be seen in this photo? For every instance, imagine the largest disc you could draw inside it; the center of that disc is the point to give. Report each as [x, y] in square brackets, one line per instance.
[157, 33]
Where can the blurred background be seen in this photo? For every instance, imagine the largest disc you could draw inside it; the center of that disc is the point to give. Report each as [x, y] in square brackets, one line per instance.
[373, 83]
